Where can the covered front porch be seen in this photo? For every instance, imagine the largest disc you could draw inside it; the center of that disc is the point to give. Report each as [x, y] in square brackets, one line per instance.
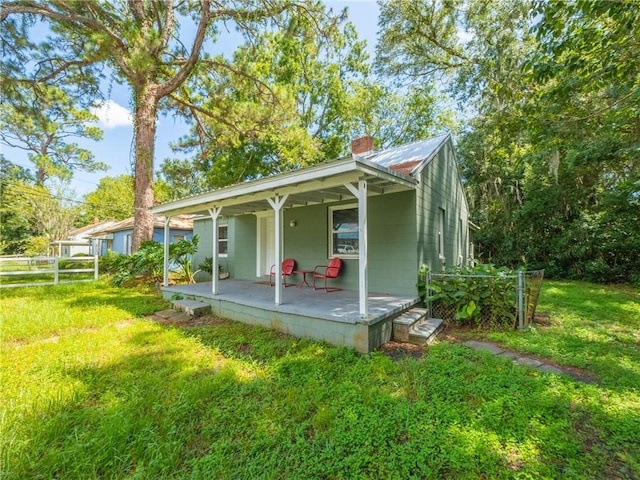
[303, 312]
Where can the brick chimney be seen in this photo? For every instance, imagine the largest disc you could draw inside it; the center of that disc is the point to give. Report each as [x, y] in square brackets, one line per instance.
[362, 145]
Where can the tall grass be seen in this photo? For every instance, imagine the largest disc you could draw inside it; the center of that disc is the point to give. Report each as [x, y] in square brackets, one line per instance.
[94, 390]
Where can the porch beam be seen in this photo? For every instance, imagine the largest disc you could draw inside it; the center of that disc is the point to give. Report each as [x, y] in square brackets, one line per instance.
[277, 203]
[165, 262]
[214, 213]
[360, 192]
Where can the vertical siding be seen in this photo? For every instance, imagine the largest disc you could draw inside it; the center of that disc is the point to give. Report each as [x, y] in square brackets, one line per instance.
[440, 187]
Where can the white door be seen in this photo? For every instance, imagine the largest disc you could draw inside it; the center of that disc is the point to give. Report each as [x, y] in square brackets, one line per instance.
[266, 244]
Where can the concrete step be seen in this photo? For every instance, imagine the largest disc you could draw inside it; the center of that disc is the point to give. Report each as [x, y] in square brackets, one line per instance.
[192, 307]
[402, 324]
[425, 331]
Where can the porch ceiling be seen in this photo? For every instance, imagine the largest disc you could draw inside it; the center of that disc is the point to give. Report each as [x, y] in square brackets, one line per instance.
[318, 184]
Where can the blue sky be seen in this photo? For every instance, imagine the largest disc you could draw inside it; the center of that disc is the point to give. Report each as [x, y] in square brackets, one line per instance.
[116, 148]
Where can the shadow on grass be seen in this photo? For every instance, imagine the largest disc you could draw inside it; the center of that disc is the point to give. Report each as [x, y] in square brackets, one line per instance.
[136, 301]
[232, 401]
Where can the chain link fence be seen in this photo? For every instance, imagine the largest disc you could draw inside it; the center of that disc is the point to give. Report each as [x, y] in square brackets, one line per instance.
[498, 300]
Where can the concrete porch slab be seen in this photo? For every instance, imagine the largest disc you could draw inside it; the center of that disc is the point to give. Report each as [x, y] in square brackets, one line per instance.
[333, 317]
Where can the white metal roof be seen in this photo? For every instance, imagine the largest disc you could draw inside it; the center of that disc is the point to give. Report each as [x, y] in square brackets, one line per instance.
[414, 155]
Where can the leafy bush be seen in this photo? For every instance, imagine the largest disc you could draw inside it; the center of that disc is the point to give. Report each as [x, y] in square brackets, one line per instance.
[110, 263]
[148, 261]
[481, 296]
[207, 266]
[35, 246]
[182, 253]
[68, 264]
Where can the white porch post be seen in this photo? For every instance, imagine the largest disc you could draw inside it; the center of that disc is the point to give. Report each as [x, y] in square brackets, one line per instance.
[276, 203]
[214, 213]
[363, 276]
[165, 267]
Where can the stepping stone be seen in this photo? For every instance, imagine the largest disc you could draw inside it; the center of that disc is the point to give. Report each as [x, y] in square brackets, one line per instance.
[489, 347]
[529, 362]
[550, 368]
[166, 313]
[192, 307]
[180, 317]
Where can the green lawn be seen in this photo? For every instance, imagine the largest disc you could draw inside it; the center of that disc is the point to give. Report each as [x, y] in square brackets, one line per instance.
[91, 389]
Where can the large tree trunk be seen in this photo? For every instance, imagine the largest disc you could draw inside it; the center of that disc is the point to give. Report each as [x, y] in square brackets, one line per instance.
[145, 136]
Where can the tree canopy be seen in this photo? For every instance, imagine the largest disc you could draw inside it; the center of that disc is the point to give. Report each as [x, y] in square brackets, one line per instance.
[549, 147]
[41, 120]
[141, 44]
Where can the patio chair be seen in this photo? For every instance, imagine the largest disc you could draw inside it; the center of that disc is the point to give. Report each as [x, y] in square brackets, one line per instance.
[327, 271]
[288, 266]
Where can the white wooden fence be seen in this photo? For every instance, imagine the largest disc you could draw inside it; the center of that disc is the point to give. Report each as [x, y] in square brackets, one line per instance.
[19, 267]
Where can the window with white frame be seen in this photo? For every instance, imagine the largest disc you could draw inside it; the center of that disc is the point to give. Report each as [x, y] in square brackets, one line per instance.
[177, 237]
[223, 240]
[441, 226]
[343, 231]
[461, 241]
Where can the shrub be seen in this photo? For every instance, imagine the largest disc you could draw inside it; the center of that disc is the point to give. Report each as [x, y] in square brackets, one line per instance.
[148, 261]
[481, 296]
[110, 263]
[182, 253]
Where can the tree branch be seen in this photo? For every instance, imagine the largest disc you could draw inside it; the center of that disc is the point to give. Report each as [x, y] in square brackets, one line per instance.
[179, 78]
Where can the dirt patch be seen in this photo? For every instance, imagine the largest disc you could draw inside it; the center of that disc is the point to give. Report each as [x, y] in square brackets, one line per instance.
[184, 321]
[399, 350]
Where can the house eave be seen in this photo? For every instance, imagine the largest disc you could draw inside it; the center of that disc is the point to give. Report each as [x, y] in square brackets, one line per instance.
[316, 184]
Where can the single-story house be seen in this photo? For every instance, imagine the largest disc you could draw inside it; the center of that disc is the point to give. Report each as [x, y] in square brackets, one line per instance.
[382, 213]
[117, 237]
[79, 241]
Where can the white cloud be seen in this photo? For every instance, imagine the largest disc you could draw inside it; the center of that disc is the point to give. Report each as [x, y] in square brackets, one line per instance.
[112, 115]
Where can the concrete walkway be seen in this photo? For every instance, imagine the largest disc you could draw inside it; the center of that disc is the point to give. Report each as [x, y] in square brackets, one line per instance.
[529, 361]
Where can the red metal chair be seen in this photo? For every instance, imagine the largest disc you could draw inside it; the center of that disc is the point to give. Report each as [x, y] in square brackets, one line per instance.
[288, 266]
[327, 271]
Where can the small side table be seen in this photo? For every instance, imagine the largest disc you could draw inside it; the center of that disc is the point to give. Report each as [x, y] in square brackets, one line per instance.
[304, 281]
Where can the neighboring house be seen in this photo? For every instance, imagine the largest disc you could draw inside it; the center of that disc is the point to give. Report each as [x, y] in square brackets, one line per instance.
[118, 236]
[79, 241]
[384, 213]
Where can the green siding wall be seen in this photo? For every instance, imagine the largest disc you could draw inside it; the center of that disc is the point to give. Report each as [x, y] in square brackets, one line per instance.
[440, 188]
[243, 248]
[392, 257]
[392, 253]
[203, 228]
